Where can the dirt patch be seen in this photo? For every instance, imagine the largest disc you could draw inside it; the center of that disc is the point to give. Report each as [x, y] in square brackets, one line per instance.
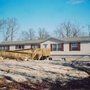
[41, 75]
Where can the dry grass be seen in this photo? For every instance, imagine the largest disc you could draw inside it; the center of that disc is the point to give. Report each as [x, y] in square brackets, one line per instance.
[14, 55]
[23, 54]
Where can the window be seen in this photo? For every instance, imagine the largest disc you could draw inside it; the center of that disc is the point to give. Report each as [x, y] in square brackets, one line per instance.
[57, 47]
[4, 47]
[45, 45]
[60, 47]
[1, 47]
[74, 46]
[19, 47]
[35, 46]
[54, 47]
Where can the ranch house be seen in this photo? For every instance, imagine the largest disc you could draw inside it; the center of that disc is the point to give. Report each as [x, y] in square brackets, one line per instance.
[76, 46]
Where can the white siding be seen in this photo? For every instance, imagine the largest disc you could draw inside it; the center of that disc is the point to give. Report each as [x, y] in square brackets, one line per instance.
[12, 47]
[27, 46]
[48, 44]
[84, 49]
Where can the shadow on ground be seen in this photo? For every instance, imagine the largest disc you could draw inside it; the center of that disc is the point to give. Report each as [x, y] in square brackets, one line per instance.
[83, 84]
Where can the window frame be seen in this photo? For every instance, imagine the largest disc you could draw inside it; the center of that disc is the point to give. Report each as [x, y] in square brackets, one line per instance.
[19, 46]
[45, 45]
[75, 47]
[35, 46]
[59, 47]
[4, 47]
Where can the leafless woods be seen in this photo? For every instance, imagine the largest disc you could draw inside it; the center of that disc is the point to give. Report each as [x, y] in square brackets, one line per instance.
[9, 29]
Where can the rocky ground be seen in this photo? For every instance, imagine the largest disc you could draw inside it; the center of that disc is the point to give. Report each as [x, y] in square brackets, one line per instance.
[41, 75]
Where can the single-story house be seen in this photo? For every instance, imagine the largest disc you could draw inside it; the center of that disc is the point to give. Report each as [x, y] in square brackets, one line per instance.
[76, 46]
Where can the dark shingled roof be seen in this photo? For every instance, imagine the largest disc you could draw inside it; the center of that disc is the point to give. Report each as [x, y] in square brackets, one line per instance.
[37, 41]
[77, 39]
[21, 42]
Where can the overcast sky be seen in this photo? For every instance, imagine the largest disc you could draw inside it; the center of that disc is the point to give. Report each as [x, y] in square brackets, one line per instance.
[46, 13]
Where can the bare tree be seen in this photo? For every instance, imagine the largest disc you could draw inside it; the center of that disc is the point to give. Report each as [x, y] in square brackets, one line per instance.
[2, 22]
[89, 30]
[10, 29]
[28, 35]
[67, 30]
[76, 31]
[58, 33]
[42, 33]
